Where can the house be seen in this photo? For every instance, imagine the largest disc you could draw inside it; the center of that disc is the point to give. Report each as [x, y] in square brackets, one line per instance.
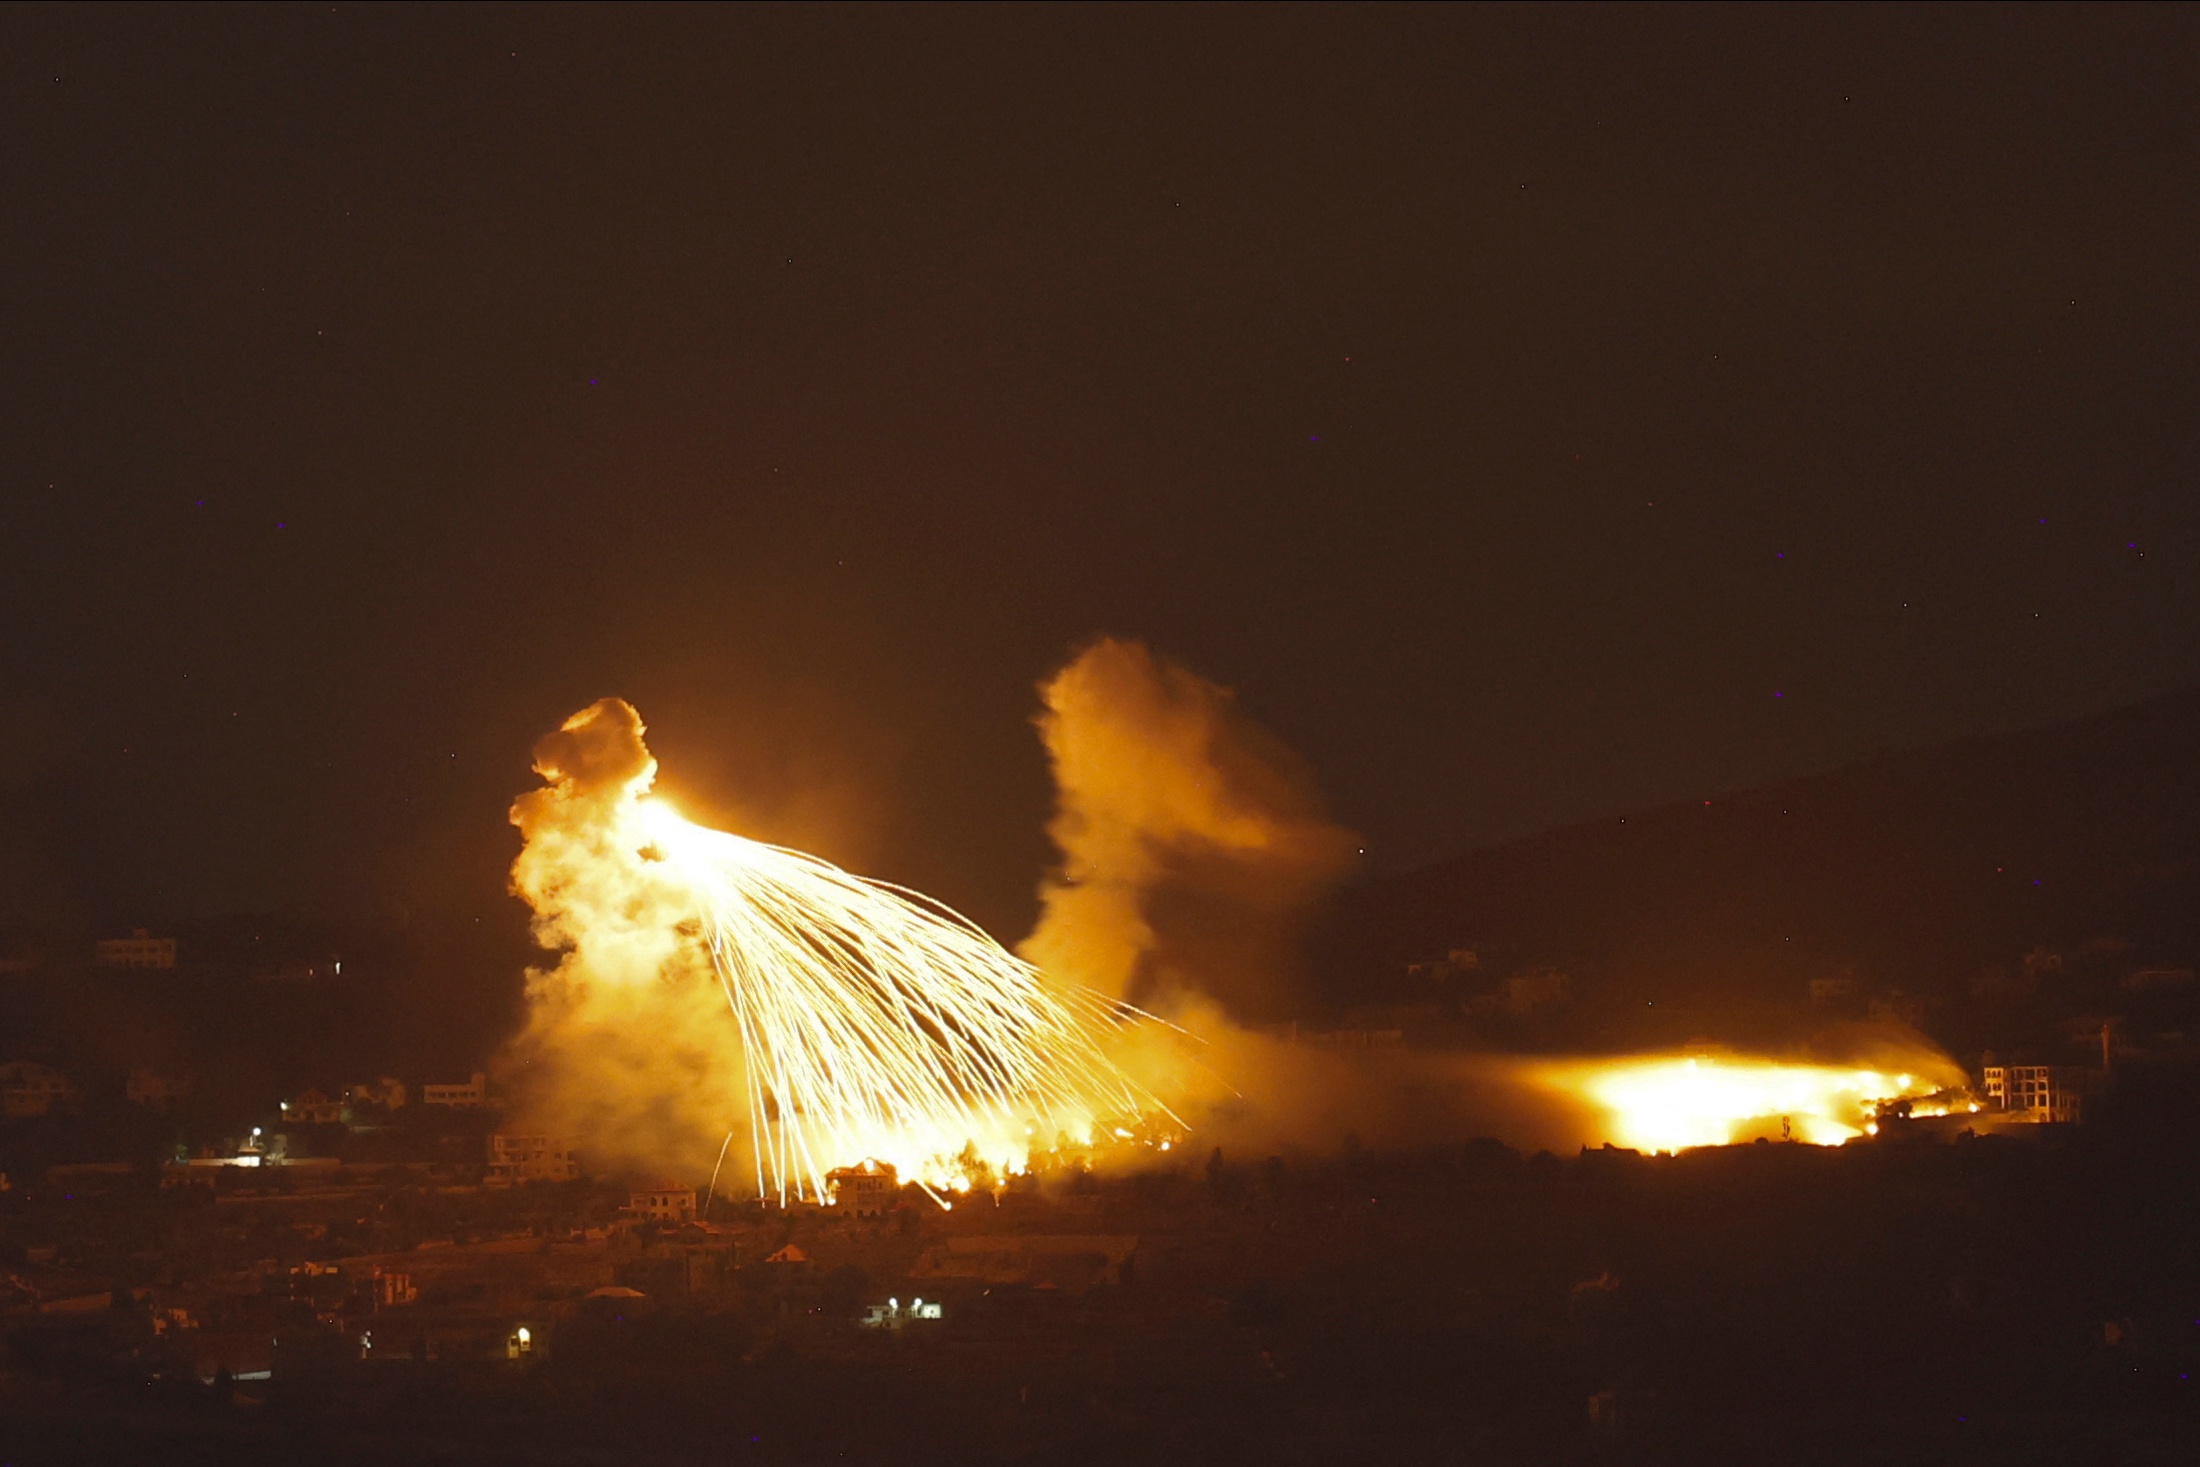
[1350, 1039]
[2145, 980]
[2035, 1092]
[312, 1108]
[516, 1160]
[468, 1096]
[894, 1315]
[678, 1269]
[151, 1088]
[866, 1191]
[139, 950]
[381, 1091]
[28, 1088]
[384, 1289]
[664, 1201]
[1072, 1262]
[1526, 994]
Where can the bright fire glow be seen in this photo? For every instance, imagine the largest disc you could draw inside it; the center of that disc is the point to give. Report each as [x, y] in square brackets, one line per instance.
[861, 1021]
[877, 1023]
[1667, 1102]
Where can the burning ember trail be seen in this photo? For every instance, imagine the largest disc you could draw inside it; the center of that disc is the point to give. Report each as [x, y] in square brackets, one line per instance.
[877, 1023]
[1668, 1102]
[872, 1022]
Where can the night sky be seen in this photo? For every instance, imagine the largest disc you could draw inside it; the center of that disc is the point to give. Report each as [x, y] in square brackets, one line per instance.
[1534, 414]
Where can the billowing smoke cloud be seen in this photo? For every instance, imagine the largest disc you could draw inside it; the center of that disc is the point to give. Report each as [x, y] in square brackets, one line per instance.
[1192, 847]
[626, 1048]
[1192, 841]
[1193, 844]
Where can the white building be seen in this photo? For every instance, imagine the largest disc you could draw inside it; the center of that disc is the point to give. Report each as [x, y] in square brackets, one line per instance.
[28, 1088]
[866, 1190]
[139, 950]
[516, 1160]
[468, 1096]
[662, 1202]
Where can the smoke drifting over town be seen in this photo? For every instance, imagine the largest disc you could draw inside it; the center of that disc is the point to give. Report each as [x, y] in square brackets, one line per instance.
[627, 1041]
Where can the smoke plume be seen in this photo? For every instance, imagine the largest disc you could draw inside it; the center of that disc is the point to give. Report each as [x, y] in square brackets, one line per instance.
[626, 1044]
[1192, 841]
[1193, 844]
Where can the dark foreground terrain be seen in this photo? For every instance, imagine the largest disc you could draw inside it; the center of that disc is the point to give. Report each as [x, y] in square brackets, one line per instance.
[2007, 1299]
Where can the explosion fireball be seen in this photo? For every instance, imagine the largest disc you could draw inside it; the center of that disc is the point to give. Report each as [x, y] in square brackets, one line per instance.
[872, 1023]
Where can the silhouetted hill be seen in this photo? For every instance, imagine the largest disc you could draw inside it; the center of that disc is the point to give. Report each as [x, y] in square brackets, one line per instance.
[2001, 890]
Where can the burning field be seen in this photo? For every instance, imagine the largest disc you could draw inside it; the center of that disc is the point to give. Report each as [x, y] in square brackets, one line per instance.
[722, 1006]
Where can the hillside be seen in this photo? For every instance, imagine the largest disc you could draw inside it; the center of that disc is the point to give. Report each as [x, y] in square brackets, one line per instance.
[2003, 890]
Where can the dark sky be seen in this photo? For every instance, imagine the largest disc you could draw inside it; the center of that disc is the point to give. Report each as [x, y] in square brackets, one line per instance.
[1533, 413]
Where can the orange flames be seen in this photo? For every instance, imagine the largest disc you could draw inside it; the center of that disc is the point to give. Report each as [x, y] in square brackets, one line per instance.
[1669, 1102]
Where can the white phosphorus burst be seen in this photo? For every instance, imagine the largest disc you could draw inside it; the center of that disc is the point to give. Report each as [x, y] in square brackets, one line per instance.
[876, 1022]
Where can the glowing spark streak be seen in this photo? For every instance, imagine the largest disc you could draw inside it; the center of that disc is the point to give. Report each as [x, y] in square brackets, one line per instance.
[876, 1022]
[716, 1167]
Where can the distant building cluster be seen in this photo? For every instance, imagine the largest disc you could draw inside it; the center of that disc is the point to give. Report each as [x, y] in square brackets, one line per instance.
[1456, 963]
[152, 1088]
[29, 1089]
[312, 1108]
[471, 1095]
[370, 1101]
[139, 950]
[515, 1160]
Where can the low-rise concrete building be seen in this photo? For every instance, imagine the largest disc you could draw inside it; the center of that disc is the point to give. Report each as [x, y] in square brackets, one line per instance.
[469, 1096]
[28, 1088]
[312, 1108]
[864, 1191]
[152, 1088]
[1070, 1262]
[515, 1160]
[139, 950]
[2036, 1092]
[665, 1201]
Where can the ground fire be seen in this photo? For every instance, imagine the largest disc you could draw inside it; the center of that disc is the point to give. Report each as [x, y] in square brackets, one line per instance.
[1668, 1102]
